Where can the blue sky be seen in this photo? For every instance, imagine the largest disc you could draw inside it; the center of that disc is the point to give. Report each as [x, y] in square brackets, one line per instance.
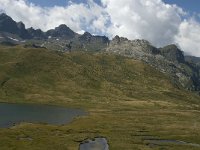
[190, 6]
[187, 5]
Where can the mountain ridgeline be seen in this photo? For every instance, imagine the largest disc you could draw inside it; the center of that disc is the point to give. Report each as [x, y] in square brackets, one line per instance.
[184, 71]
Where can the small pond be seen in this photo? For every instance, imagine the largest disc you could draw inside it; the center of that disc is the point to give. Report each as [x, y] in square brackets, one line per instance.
[11, 114]
[170, 142]
[96, 144]
[157, 141]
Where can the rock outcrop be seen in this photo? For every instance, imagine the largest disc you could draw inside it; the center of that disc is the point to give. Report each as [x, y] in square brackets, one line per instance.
[36, 34]
[61, 31]
[173, 53]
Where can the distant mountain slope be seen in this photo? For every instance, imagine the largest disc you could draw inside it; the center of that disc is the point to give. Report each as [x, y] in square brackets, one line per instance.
[42, 75]
[193, 59]
[183, 71]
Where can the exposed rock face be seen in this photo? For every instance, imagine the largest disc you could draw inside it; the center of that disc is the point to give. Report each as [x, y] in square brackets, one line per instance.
[118, 40]
[169, 60]
[62, 31]
[173, 53]
[88, 38]
[7, 24]
[36, 34]
[85, 42]
[22, 32]
[21, 26]
[139, 49]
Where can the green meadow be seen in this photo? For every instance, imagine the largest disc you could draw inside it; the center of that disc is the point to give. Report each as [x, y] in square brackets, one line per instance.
[126, 100]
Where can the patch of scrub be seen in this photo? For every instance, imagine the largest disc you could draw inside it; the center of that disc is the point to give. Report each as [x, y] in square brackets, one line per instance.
[95, 144]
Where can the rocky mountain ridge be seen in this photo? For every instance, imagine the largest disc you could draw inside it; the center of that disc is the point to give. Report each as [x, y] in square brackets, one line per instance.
[169, 59]
[61, 38]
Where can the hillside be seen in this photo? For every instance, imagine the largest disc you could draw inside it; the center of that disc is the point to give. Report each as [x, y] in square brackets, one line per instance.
[128, 101]
[134, 93]
[169, 59]
[43, 75]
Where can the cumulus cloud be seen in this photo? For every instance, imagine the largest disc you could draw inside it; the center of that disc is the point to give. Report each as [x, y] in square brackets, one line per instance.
[189, 37]
[149, 19]
[78, 16]
[153, 20]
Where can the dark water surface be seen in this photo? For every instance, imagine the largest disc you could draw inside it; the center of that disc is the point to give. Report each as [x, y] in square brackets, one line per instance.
[96, 144]
[173, 142]
[11, 114]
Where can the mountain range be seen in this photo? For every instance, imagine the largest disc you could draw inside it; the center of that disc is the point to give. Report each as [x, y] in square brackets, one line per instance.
[183, 71]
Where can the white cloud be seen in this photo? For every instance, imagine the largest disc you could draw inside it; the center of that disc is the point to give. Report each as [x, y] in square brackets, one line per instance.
[77, 16]
[153, 20]
[149, 19]
[189, 37]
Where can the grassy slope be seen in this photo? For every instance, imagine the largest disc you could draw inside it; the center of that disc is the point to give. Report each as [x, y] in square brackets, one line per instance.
[125, 98]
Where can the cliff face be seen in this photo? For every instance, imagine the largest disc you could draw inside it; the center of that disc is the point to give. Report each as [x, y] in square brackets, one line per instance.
[172, 53]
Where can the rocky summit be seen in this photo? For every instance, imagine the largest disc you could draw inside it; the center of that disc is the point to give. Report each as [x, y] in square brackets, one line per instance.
[184, 71]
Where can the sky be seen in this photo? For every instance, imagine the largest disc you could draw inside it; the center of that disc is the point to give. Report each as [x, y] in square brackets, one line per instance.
[51, 3]
[187, 5]
[161, 22]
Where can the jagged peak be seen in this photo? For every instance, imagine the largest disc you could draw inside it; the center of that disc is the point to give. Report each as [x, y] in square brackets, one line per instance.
[141, 41]
[4, 15]
[171, 46]
[63, 27]
[120, 38]
[87, 34]
[21, 25]
[117, 39]
[173, 53]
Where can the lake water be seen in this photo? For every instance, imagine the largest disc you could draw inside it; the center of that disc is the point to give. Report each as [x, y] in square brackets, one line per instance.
[11, 114]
